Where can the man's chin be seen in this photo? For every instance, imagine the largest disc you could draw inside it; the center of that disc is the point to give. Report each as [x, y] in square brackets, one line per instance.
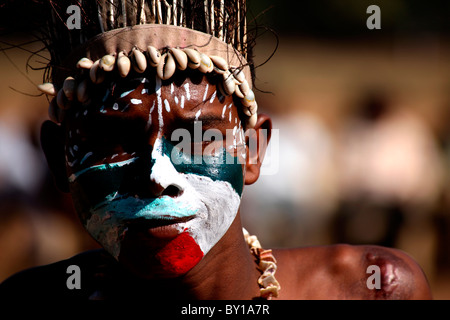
[162, 258]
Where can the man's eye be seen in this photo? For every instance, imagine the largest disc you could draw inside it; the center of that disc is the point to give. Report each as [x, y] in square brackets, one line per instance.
[211, 145]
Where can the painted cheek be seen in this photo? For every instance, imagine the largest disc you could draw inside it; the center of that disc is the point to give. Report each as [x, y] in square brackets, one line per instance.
[180, 255]
[93, 185]
[223, 168]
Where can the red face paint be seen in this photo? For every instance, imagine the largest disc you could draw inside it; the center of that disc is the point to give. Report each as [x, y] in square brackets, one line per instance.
[180, 255]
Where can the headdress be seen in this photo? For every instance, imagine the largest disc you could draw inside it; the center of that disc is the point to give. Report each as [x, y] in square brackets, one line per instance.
[123, 37]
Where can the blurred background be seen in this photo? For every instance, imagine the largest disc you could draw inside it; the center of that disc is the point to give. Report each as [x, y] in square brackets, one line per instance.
[363, 120]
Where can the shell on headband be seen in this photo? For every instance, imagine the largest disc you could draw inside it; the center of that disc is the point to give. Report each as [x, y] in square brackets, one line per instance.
[233, 78]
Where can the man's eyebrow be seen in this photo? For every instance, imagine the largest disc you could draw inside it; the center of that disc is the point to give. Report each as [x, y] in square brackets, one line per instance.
[113, 120]
[207, 118]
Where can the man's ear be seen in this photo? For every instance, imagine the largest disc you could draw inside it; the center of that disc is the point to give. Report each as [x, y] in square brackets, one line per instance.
[257, 140]
[52, 141]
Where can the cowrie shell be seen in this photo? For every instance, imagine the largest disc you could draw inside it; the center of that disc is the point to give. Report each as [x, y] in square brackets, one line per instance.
[107, 62]
[206, 64]
[180, 57]
[248, 99]
[253, 108]
[221, 89]
[85, 63]
[220, 64]
[229, 86]
[238, 75]
[53, 111]
[251, 122]
[140, 63]
[123, 64]
[69, 88]
[193, 58]
[61, 100]
[247, 112]
[237, 91]
[82, 91]
[96, 74]
[47, 88]
[167, 67]
[244, 87]
[154, 56]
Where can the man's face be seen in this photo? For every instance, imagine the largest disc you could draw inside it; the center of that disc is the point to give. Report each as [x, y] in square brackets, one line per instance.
[156, 170]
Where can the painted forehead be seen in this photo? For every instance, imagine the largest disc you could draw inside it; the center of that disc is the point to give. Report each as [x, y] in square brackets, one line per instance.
[185, 99]
[123, 115]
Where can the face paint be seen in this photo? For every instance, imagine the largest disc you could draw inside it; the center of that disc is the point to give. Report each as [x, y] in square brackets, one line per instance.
[208, 204]
[117, 209]
[214, 182]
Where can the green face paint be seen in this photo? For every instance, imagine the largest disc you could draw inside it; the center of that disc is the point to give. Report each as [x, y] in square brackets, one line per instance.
[98, 183]
[211, 187]
[220, 166]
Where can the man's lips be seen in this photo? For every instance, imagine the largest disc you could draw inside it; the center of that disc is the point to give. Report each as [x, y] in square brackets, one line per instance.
[164, 228]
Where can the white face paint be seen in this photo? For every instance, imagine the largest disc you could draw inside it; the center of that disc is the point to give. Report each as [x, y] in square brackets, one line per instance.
[188, 92]
[213, 97]
[212, 206]
[205, 93]
[167, 105]
[216, 202]
[136, 101]
[209, 203]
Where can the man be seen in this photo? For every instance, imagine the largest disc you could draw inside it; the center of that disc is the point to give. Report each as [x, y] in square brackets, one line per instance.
[152, 135]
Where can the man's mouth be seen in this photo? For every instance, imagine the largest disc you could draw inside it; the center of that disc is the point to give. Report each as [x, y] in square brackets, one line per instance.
[163, 228]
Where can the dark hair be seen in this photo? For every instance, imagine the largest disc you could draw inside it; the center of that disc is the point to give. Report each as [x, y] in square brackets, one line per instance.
[46, 20]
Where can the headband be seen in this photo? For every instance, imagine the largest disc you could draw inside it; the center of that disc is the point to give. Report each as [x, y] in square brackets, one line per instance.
[164, 47]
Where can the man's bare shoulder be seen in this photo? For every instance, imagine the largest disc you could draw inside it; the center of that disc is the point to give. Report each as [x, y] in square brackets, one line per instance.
[349, 272]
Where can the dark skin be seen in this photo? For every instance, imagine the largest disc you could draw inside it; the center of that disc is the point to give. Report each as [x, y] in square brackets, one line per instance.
[326, 272]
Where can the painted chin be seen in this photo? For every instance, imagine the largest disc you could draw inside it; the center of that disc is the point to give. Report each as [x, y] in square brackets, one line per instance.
[160, 257]
[180, 255]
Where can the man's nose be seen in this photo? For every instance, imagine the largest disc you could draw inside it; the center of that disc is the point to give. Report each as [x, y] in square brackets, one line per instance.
[165, 180]
[157, 190]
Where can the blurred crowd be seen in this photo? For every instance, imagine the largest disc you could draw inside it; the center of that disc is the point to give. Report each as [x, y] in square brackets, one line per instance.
[364, 146]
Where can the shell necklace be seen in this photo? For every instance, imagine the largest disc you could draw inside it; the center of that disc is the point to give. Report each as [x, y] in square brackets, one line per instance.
[267, 264]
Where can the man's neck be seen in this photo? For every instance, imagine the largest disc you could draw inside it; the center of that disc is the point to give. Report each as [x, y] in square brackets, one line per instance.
[228, 271]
